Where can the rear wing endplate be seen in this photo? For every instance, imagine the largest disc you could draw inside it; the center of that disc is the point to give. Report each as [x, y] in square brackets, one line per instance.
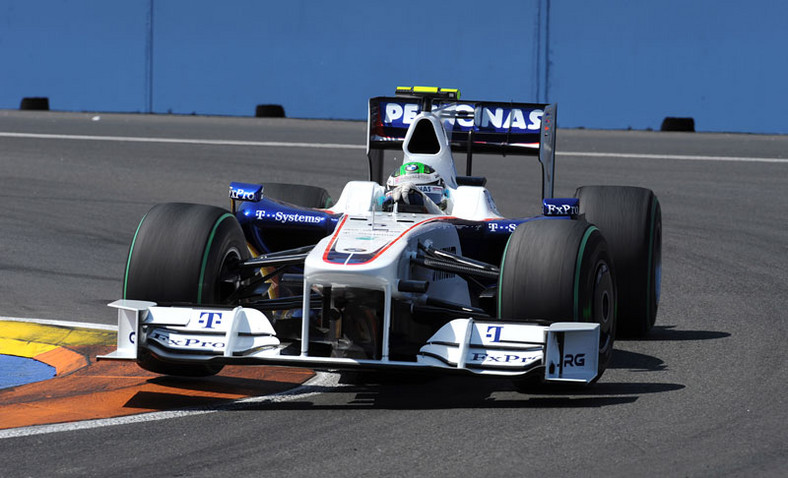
[481, 127]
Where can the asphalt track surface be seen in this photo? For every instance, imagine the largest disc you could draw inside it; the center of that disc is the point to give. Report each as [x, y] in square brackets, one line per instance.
[703, 395]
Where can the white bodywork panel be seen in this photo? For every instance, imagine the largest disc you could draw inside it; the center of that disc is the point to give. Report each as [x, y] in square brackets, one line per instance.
[572, 352]
[566, 351]
[442, 161]
[229, 332]
[374, 250]
[359, 198]
[473, 203]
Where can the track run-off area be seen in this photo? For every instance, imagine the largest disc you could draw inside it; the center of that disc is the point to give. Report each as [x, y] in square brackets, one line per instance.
[703, 394]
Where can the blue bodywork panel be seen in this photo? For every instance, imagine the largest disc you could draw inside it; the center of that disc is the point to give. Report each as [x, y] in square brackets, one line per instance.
[246, 191]
[561, 207]
[271, 225]
[264, 221]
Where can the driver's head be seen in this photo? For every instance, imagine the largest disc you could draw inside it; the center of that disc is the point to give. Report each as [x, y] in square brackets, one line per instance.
[423, 177]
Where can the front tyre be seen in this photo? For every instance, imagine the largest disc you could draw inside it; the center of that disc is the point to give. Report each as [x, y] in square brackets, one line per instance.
[560, 270]
[630, 218]
[184, 253]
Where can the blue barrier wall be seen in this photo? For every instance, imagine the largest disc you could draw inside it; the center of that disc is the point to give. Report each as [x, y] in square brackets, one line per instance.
[608, 63]
[83, 55]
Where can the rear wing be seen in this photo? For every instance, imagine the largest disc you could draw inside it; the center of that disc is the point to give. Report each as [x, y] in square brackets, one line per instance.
[505, 128]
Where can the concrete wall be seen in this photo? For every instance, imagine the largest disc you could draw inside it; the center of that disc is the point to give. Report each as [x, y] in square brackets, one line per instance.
[608, 63]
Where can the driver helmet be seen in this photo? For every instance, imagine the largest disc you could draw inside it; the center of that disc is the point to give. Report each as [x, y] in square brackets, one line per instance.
[424, 177]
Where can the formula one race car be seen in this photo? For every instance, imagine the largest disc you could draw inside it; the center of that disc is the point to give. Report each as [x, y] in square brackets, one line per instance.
[417, 272]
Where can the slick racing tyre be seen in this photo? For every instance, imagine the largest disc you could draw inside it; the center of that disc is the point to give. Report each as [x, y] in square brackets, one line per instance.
[184, 253]
[630, 218]
[299, 195]
[560, 270]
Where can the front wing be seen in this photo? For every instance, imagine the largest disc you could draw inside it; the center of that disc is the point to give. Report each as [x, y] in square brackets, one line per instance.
[562, 351]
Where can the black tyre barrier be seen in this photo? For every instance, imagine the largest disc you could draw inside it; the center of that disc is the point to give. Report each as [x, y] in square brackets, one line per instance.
[269, 111]
[678, 124]
[36, 103]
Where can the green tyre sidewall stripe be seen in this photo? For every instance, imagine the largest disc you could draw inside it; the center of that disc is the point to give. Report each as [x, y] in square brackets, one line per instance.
[131, 251]
[578, 266]
[206, 254]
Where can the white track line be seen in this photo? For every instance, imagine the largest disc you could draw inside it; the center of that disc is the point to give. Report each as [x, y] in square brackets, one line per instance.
[315, 386]
[680, 157]
[212, 142]
[61, 323]
[280, 144]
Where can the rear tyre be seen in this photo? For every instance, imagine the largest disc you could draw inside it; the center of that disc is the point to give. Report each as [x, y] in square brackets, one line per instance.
[559, 270]
[630, 218]
[299, 195]
[184, 253]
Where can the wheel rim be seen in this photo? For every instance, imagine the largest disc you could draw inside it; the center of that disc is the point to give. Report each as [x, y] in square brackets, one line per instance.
[603, 305]
[228, 279]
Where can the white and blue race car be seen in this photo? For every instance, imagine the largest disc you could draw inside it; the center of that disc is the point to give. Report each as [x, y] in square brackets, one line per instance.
[415, 272]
